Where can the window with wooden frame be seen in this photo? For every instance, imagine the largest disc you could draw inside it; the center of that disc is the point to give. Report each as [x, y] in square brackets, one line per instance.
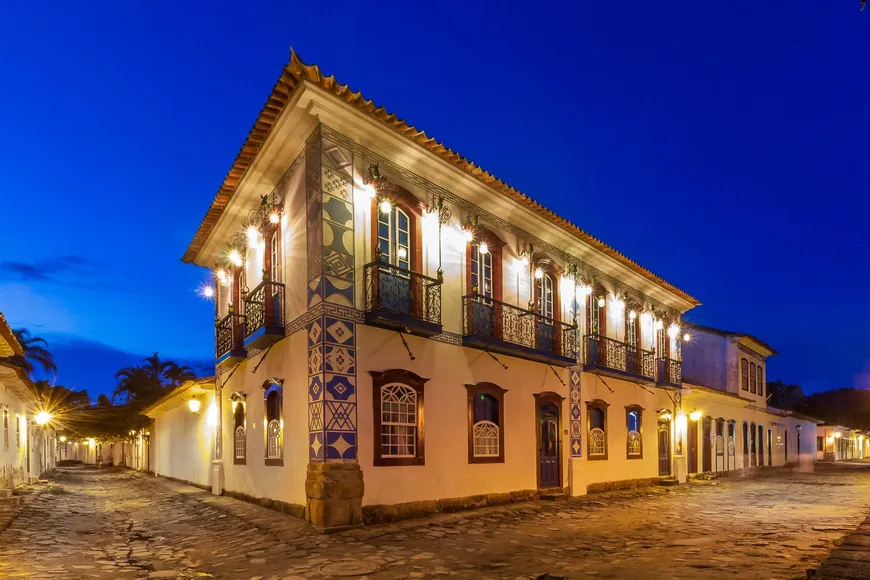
[745, 438]
[760, 444]
[744, 374]
[273, 410]
[6, 427]
[483, 258]
[485, 423]
[398, 418]
[634, 433]
[595, 313]
[596, 430]
[759, 378]
[731, 447]
[396, 233]
[632, 328]
[752, 378]
[662, 340]
[240, 435]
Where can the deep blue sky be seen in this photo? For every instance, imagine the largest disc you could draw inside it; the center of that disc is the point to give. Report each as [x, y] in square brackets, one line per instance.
[724, 145]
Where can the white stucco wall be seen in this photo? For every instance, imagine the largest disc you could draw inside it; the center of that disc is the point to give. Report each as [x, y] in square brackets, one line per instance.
[13, 451]
[182, 442]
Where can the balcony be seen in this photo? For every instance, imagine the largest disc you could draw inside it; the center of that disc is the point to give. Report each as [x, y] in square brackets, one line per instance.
[264, 308]
[608, 356]
[670, 373]
[228, 340]
[402, 300]
[498, 327]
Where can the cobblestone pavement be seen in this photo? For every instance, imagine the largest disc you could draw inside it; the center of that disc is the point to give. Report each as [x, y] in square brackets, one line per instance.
[122, 524]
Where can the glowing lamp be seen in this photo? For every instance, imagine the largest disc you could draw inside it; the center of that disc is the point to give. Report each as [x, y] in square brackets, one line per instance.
[524, 260]
[838, 434]
[386, 206]
[632, 315]
[42, 418]
[92, 442]
[235, 258]
[483, 248]
[695, 415]
[208, 291]
[687, 337]
[193, 405]
[673, 331]
[212, 415]
[539, 273]
[63, 439]
[601, 302]
[403, 253]
[274, 218]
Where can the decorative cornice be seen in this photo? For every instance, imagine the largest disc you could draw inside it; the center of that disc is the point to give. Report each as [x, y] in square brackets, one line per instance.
[296, 73]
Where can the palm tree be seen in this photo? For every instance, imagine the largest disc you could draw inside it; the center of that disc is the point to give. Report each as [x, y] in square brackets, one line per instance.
[34, 353]
[177, 374]
[135, 382]
[157, 368]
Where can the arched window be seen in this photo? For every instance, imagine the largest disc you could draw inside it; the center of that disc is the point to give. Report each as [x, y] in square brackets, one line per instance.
[485, 423]
[273, 403]
[731, 447]
[484, 265]
[744, 374]
[6, 427]
[634, 440]
[760, 379]
[745, 440]
[596, 419]
[752, 444]
[752, 383]
[239, 426]
[398, 418]
[760, 444]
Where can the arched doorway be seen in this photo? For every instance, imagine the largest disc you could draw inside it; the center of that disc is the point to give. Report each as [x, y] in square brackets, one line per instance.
[664, 436]
[548, 407]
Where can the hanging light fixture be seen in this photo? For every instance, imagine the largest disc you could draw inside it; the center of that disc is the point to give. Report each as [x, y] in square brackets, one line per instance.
[483, 248]
[687, 337]
[539, 273]
[601, 302]
[386, 206]
[632, 315]
[235, 258]
[274, 218]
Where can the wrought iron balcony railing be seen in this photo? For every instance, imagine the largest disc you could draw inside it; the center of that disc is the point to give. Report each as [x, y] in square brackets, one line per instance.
[401, 299]
[264, 309]
[229, 333]
[608, 354]
[495, 325]
[670, 372]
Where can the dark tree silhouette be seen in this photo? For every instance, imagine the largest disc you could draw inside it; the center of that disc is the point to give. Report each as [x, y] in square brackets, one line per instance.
[35, 353]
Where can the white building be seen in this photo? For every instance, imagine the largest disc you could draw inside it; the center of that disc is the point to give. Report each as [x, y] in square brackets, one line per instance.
[388, 311]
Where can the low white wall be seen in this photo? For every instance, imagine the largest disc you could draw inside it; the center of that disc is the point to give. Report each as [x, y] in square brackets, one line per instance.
[181, 442]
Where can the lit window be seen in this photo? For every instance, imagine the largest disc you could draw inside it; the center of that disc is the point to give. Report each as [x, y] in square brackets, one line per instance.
[633, 418]
[275, 257]
[481, 272]
[545, 296]
[596, 417]
[593, 315]
[274, 415]
[6, 428]
[394, 237]
[485, 412]
[239, 434]
[398, 417]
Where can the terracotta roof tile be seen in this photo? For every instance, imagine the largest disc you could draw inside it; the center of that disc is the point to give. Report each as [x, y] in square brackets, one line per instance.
[296, 71]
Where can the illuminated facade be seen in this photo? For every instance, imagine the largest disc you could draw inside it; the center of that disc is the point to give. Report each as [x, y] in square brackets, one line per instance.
[398, 330]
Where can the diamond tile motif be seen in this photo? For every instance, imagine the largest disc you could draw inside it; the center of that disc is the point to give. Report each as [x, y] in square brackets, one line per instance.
[314, 333]
[340, 360]
[338, 264]
[576, 448]
[340, 416]
[315, 360]
[335, 155]
[341, 445]
[340, 387]
[315, 445]
[315, 387]
[315, 416]
[339, 331]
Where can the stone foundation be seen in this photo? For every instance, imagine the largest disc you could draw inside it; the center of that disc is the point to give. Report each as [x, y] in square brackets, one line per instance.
[334, 493]
[284, 507]
[379, 514]
[622, 484]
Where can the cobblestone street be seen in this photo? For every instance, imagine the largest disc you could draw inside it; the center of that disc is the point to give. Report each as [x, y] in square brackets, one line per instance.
[123, 524]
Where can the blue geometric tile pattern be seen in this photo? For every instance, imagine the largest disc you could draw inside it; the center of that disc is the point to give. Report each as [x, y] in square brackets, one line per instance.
[576, 422]
[332, 403]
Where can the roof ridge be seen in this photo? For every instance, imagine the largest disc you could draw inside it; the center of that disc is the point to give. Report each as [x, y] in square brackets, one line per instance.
[298, 70]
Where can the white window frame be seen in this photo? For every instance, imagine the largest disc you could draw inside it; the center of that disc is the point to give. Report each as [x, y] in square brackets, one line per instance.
[546, 297]
[273, 439]
[597, 442]
[399, 413]
[485, 436]
[390, 251]
[481, 272]
[240, 443]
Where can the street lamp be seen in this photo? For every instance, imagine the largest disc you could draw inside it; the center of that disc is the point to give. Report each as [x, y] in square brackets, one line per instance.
[42, 418]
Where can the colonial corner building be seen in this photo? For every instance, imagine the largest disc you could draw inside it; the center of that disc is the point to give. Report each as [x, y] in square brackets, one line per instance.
[398, 331]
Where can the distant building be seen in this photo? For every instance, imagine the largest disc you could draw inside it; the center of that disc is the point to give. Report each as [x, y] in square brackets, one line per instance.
[27, 449]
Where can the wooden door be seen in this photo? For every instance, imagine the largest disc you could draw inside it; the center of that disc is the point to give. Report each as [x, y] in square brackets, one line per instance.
[692, 446]
[548, 446]
[769, 447]
[664, 447]
[707, 444]
[786, 445]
